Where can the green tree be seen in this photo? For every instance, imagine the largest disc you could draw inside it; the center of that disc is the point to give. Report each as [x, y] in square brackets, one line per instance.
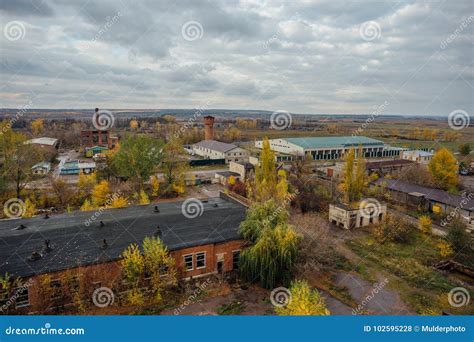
[137, 158]
[444, 169]
[457, 235]
[304, 301]
[465, 149]
[17, 159]
[174, 165]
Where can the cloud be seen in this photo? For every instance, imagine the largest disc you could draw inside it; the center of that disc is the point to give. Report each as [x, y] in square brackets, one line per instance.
[301, 56]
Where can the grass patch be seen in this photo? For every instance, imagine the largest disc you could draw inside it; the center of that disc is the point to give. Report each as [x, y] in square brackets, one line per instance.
[409, 268]
[232, 308]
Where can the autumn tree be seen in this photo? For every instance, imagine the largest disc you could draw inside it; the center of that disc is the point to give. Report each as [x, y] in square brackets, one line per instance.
[137, 158]
[133, 266]
[281, 194]
[175, 165]
[354, 180]
[304, 301]
[62, 190]
[17, 159]
[119, 202]
[265, 174]
[37, 127]
[100, 193]
[143, 198]
[425, 224]
[134, 124]
[444, 169]
[155, 185]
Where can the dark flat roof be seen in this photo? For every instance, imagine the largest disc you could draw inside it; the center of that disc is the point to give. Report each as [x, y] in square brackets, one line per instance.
[436, 195]
[388, 163]
[75, 244]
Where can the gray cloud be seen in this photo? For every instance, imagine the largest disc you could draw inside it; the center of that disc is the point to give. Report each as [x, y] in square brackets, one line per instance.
[306, 57]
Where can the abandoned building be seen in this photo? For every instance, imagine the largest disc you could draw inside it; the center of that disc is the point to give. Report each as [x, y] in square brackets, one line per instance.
[349, 217]
[92, 242]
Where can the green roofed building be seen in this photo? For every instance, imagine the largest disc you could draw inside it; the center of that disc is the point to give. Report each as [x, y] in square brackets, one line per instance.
[327, 148]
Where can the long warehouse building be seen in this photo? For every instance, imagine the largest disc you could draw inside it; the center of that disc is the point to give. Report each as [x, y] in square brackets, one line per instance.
[326, 148]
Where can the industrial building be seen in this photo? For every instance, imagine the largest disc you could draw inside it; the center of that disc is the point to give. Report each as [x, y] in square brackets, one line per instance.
[212, 149]
[329, 148]
[92, 245]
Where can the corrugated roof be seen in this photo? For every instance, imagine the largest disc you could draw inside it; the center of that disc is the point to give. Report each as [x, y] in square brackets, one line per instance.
[216, 145]
[75, 244]
[333, 142]
[43, 141]
[437, 195]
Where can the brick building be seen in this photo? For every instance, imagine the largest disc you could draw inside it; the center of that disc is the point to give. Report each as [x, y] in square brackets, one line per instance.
[89, 245]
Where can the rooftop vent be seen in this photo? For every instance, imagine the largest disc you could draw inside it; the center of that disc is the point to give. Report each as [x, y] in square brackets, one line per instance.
[105, 245]
[47, 247]
[46, 216]
[35, 256]
[20, 227]
[158, 232]
[101, 223]
[157, 210]
[215, 205]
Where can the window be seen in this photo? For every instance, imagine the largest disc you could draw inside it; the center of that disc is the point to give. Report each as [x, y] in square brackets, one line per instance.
[188, 262]
[55, 289]
[22, 298]
[201, 260]
[235, 260]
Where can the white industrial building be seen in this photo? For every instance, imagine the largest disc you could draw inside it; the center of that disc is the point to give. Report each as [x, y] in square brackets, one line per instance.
[422, 157]
[212, 149]
[327, 148]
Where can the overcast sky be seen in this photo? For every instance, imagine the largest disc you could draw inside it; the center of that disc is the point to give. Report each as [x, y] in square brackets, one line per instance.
[321, 56]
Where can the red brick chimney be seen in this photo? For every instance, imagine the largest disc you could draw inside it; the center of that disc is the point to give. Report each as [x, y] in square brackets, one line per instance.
[208, 127]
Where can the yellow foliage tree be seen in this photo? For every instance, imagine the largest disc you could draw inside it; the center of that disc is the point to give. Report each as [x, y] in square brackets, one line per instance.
[155, 185]
[143, 198]
[445, 249]
[231, 180]
[281, 187]
[30, 208]
[86, 182]
[37, 126]
[100, 193]
[265, 174]
[444, 169]
[425, 224]
[87, 206]
[134, 124]
[303, 301]
[119, 202]
[354, 179]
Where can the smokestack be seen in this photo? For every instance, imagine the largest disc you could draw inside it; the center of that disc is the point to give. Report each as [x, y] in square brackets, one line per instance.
[208, 127]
